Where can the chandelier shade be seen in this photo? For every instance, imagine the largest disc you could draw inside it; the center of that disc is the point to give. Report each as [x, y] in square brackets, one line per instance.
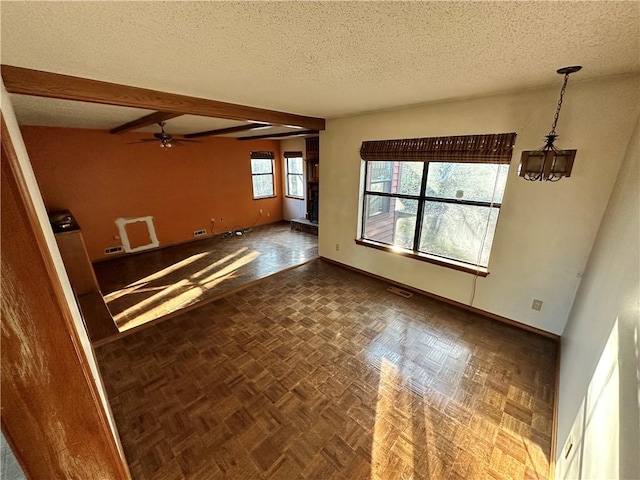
[550, 163]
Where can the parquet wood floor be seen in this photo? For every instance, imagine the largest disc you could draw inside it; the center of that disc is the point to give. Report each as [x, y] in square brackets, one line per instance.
[151, 285]
[320, 373]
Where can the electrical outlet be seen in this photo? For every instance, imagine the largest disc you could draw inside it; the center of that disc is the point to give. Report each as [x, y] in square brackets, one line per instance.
[268, 214]
[337, 247]
[116, 237]
[197, 233]
[537, 304]
[260, 212]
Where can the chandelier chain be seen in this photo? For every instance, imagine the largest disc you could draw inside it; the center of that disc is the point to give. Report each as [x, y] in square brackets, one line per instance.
[555, 118]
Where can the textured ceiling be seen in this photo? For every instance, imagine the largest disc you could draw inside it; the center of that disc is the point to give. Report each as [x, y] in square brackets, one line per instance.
[323, 59]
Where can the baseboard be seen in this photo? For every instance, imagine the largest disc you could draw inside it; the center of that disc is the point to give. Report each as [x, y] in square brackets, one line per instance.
[182, 242]
[554, 422]
[464, 306]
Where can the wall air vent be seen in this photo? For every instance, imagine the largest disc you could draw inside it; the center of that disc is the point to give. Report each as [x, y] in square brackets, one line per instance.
[112, 250]
[399, 291]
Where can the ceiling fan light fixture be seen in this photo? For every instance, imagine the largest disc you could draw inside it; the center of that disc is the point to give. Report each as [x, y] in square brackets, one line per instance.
[550, 163]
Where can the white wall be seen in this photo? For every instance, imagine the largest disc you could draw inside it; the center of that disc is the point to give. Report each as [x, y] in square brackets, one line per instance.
[293, 207]
[545, 231]
[10, 469]
[600, 369]
[34, 192]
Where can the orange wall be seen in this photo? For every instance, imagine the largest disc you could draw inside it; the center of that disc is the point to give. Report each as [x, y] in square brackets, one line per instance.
[100, 177]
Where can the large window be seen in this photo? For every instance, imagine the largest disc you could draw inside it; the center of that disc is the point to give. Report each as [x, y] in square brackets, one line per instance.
[294, 166]
[262, 174]
[441, 206]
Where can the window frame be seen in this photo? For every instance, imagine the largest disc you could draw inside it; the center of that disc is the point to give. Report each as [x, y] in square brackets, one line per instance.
[288, 173]
[422, 200]
[386, 188]
[273, 179]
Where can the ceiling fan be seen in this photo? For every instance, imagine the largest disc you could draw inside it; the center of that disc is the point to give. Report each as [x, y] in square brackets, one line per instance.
[166, 139]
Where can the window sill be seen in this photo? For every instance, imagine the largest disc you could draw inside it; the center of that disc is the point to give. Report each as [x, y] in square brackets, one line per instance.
[424, 257]
[294, 198]
[262, 198]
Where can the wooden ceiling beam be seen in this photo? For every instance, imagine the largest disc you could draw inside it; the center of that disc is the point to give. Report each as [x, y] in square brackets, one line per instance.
[25, 81]
[152, 118]
[281, 135]
[224, 131]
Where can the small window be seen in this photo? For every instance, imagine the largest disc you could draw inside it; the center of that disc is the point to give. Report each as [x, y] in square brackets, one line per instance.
[294, 169]
[262, 174]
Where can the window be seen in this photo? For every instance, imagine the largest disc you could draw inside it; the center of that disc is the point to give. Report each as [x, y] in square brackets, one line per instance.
[380, 181]
[294, 174]
[262, 174]
[440, 205]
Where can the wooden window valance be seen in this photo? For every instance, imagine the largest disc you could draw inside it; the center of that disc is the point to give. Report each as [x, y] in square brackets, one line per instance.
[262, 156]
[312, 145]
[292, 154]
[493, 148]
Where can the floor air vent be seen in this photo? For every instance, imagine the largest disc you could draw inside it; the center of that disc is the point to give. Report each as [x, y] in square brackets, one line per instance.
[399, 291]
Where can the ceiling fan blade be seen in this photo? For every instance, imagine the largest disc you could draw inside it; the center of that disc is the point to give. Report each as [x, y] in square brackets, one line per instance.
[166, 139]
[143, 140]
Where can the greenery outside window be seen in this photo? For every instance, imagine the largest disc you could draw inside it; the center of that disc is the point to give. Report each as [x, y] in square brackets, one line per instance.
[442, 206]
[294, 171]
[262, 174]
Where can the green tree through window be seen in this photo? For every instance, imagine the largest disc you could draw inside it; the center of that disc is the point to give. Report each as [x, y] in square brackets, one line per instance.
[449, 210]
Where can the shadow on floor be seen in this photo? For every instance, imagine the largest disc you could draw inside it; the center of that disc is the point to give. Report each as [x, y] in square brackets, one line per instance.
[141, 288]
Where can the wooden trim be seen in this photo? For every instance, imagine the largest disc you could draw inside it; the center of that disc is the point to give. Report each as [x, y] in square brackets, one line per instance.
[25, 81]
[47, 448]
[262, 155]
[424, 257]
[556, 406]
[464, 306]
[76, 262]
[491, 148]
[152, 118]
[312, 148]
[224, 131]
[293, 154]
[281, 135]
